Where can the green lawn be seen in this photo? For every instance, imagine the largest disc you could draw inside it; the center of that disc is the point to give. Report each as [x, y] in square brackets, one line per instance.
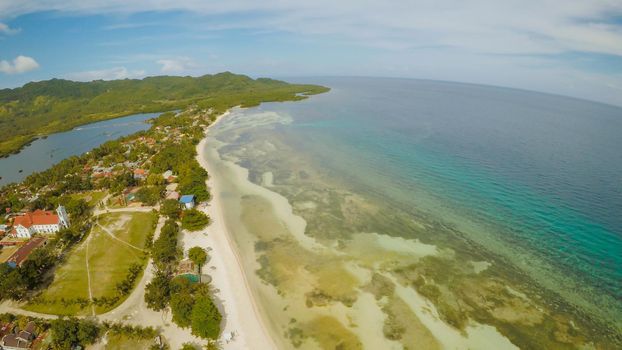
[109, 260]
[91, 197]
[120, 342]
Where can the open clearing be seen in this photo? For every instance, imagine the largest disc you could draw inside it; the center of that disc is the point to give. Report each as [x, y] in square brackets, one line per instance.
[120, 342]
[91, 197]
[109, 259]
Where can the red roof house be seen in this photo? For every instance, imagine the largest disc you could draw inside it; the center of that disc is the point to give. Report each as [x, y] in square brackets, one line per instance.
[21, 255]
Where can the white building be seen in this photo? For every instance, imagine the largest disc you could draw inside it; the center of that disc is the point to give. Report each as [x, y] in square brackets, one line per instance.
[40, 221]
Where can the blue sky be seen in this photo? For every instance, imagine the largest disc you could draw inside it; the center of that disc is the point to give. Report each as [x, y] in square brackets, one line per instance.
[560, 46]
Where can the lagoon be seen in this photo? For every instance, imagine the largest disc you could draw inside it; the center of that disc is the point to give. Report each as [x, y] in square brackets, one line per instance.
[47, 151]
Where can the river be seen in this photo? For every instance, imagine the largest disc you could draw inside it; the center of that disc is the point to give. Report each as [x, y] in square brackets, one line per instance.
[45, 152]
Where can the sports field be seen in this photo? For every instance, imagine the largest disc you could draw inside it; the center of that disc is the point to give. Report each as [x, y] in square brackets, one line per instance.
[93, 269]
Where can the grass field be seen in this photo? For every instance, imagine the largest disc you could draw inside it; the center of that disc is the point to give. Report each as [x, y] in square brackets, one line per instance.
[120, 342]
[108, 259]
[91, 197]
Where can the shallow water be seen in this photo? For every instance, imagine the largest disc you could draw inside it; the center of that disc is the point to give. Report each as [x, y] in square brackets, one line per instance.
[493, 214]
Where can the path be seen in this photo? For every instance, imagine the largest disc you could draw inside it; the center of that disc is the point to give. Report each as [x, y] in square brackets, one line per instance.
[99, 212]
[117, 238]
[88, 274]
[12, 307]
[138, 294]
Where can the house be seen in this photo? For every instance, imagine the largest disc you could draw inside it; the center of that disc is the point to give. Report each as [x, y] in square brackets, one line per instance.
[21, 340]
[5, 329]
[187, 200]
[140, 174]
[172, 195]
[22, 254]
[99, 171]
[167, 174]
[40, 221]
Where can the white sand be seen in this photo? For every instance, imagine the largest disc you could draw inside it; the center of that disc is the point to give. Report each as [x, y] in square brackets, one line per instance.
[134, 311]
[241, 314]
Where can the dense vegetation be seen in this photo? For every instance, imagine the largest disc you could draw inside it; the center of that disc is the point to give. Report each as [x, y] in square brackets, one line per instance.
[194, 220]
[72, 333]
[165, 252]
[45, 107]
[191, 303]
[192, 306]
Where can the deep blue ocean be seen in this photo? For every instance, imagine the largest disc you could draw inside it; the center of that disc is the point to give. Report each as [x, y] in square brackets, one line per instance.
[541, 173]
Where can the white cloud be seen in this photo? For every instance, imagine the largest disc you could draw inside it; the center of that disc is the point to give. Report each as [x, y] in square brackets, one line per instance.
[177, 65]
[484, 26]
[519, 43]
[20, 64]
[106, 74]
[5, 29]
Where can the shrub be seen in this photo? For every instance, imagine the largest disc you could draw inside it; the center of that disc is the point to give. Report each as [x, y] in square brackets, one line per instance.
[194, 220]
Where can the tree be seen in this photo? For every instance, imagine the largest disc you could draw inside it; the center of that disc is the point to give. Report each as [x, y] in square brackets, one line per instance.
[181, 307]
[171, 208]
[158, 292]
[69, 332]
[68, 235]
[205, 318]
[165, 251]
[76, 207]
[150, 195]
[88, 332]
[198, 256]
[155, 180]
[194, 220]
[182, 301]
[188, 346]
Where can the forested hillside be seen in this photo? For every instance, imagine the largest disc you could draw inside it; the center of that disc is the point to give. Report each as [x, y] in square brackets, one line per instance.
[45, 107]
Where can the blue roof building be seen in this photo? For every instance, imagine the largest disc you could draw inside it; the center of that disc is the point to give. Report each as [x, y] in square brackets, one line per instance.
[187, 200]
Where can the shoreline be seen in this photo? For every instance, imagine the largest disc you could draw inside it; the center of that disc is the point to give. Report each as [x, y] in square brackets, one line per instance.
[476, 335]
[241, 313]
[79, 145]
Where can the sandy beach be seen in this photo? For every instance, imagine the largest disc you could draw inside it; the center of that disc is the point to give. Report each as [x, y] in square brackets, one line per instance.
[241, 314]
[271, 215]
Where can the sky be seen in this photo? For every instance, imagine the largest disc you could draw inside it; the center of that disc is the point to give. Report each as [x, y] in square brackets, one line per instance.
[565, 47]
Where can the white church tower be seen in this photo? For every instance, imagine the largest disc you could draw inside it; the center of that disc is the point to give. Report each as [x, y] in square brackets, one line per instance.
[63, 218]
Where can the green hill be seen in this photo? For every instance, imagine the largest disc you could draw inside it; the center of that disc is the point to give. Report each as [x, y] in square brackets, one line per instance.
[55, 105]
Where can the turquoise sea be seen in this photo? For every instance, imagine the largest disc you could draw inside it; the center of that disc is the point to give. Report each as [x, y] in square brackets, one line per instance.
[532, 177]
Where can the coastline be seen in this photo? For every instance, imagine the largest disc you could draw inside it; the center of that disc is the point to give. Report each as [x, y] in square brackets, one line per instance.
[241, 313]
[245, 317]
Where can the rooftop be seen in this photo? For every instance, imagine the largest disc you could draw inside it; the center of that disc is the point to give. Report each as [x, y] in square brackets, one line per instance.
[24, 251]
[12, 340]
[38, 217]
[187, 198]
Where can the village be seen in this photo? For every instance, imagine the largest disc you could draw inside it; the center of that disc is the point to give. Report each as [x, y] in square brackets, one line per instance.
[112, 202]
